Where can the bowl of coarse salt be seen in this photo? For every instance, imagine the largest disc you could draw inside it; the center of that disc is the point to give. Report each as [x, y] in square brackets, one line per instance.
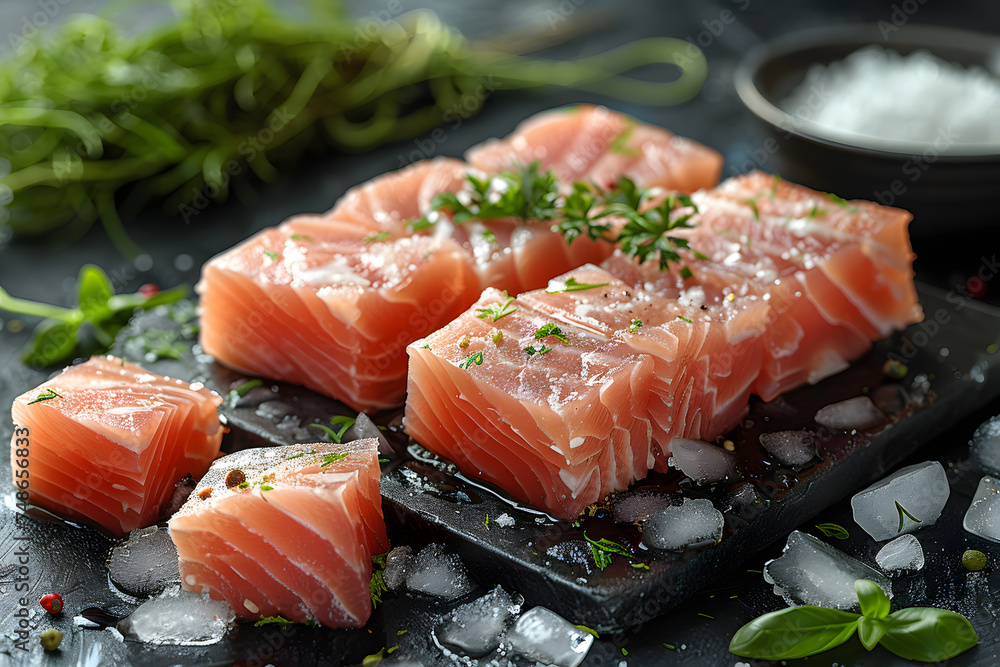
[908, 117]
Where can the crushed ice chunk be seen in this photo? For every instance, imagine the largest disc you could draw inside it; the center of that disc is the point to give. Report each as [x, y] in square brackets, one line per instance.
[546, 637]
[504, 520]
[983, 515]
[433, 571]
[702, 461]
[792, 448]
[577, 552]
[145, 563]
[476, 628]
[363, 427]
[693, 522]
[903, 553]
[986, 445]
[811, 572]
[854, 413]
[397, 564]
[638, 505]
[744, 504]
[913, 496]
[178, 617]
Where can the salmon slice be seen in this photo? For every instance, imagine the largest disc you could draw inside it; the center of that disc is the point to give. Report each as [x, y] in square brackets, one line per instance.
[557, 428]
[593, 143]
[108, 441]
[296, 540]
[331, 311]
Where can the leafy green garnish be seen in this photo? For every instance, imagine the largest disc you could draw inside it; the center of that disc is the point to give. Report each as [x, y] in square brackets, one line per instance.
[376, 586]
[242, 390]
[374, 238]
[336, 436]
[273, 256]
[903, 514]
[841, 202]
[280, 620]
[532, 350]
[243, 485]
[604, 550]
[589, 631]
[46, 395]
[684, 319]
[476, 358]
[647, 233]
[927, 634]
[266, 487]
[497, 309]
[833, 530]
[634, 326]
[573, 285]
[305, 238]
[89, 329]
[329, 459]
[752, 203]
[547, 330]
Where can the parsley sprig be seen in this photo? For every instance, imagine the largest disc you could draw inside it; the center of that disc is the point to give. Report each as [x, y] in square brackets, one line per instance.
[497, 309]
[532, 196]
[340, 423]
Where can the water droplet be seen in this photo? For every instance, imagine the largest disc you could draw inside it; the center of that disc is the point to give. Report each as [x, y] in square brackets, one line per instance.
[183, 262]
[143, 262]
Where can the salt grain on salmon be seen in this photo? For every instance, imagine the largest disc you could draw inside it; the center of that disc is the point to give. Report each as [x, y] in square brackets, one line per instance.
[108, 441]
[296, 539]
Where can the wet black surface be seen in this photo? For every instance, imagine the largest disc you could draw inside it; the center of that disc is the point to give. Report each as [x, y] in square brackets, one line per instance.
[71, 560]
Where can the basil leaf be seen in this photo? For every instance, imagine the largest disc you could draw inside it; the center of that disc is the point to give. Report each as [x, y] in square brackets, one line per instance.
[129, 302]
[928, 634]
[870, 631]
[874, 602]
[795, 632]
[53, 342]
[94, 291]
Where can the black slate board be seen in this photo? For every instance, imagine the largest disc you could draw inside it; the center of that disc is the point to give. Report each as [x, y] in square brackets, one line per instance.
[425, 499]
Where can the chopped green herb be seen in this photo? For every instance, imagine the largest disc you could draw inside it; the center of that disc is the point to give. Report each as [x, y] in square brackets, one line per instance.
[265, 487]
[904, 514]
[47, 395]
[487, 520]
[624, 651]
[603, 550]
[377, 586]
[532, 351]
[329, 459]
[755, 571]
[374, 238]
[589, 631]
[895, 369]
[425, 346]
[833, 530]
[381, 460]
[619, 146]
[336, 436]
[992, 348]
[639, 566]
[634, 326]
[280, 620]
[490, 238]
[816, 212]
[497, 336]
[273, 256]
[706, 615]
[243, 485]
[547, 330]
[497, 309]
[752, 203]
[244, 388]
[685, 319]
[973, 560]
[476, 358]
[303, 237]
[841, 202]
[400, 633]
[573, 285]
[774, 186]
[669, 646]
[685, 272]
[295, 456]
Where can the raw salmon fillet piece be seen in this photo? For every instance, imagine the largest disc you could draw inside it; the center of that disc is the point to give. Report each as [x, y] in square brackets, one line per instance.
[563, 429]
[593, 143]
[296, 541]
[331, 311]
[557, 429]
[108, 446]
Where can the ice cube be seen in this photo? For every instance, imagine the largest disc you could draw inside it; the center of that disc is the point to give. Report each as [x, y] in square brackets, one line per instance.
[909, 499]
[434, 571]
[476, 628]
[792, 448]
[986, 445]
[397, 563]
[577, 552]
[504, 520]
[178, 617]
[145, 563]
[702, 461]
[903, 553]
[743, 505]
[811, 572]
[855, 413]
[637, 505]
[675, 527]
[983, 516]
[364, 427]
[546, 637]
